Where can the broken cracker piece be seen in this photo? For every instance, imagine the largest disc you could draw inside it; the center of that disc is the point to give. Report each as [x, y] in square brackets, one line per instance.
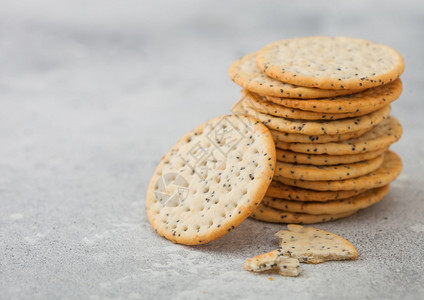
[313, 246]
[273, 260]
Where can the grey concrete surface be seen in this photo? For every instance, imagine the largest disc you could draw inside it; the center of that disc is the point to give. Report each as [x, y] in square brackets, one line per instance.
[93, 93]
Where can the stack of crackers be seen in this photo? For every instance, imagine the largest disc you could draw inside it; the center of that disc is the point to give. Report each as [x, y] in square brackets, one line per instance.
[326, 102]
[307, 143]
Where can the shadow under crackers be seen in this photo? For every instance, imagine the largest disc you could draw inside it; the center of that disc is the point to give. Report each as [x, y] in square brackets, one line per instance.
[249, 237]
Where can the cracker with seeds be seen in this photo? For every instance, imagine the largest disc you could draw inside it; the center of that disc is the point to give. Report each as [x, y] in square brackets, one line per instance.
[381, 136]
[313, 246]
[272, 261]
[332, 172]
[246, 74]
[361, 201]
[211, 180]
[363, 102]
[325, 159]
[286, 137]
[331, 62]
[272, 215]
[319, 127]
[386, 173]
[258, 103]
[282, 191]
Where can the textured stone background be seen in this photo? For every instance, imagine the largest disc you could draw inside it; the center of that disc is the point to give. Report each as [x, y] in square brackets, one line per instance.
[93, 93]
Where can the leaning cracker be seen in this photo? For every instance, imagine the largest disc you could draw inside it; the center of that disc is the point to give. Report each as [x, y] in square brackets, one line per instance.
[313, 246]
[282, 191]
[273, 260]
[325, 159]
[381, 136]
[388, 171]
[361, 201]
[257, 103]
[320, 127]
[332, 172]
[366, 101]
[246, 73]
[269, 214]
[331, 62]
[286, 137]
[211, 180]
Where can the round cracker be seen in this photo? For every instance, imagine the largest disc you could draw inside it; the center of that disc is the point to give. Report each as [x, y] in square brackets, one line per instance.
[246, 74]
[282, 191]
[388, 171]
[332, 172]
[258, 103]
[211, 180]
[361, 201]
[331, 62]
[272, 215]
[366, 101]
[319, 127]
[381, 136]
[286, 137]
[325, 159]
